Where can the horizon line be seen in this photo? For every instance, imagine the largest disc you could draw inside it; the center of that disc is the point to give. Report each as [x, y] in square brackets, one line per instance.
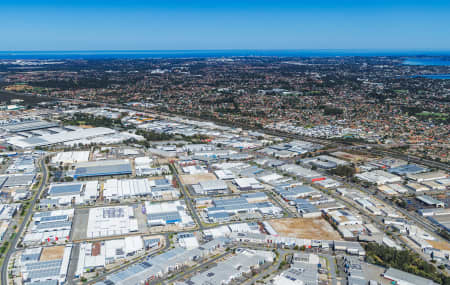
[238, 49]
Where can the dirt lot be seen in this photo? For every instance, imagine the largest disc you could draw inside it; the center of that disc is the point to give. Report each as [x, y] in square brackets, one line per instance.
[52, 253]
[305, 228]
[196, 178]
[442, 245]
[355, 158]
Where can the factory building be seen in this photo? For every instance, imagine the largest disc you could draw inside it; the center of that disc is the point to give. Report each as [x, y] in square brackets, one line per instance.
[103, 168]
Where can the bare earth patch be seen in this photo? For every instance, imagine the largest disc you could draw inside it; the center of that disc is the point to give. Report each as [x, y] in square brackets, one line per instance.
[196, 178]
[316, 228]
[442, 245]
[52, 253]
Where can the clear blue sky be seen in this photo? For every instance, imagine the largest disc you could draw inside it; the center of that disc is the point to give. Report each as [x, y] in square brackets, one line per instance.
[214, 24]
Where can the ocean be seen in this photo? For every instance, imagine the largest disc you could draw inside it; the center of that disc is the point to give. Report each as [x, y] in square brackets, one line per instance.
[135, 54]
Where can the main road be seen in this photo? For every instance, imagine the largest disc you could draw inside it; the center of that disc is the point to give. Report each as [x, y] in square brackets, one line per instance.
[22, 227]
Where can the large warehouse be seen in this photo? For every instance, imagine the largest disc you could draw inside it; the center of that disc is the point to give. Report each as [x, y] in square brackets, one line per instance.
[117, 189]
[66, 136]
[111, 221]
[103, 168]
[25, 126]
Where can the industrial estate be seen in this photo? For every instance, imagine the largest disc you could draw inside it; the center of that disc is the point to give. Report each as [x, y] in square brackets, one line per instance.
[113, 192]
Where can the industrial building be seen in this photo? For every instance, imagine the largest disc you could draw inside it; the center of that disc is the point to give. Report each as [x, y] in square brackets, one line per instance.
[303, 272]
[344, 218]
[111, 221]
[306, 209]
[379, 177]
[69, 157]
[15, 180]
[62, 137]
[99, 254]
[211, 187]
[26, 126]
[299, 171]
[427, 176]
[117, 189]
[48, 264]
[246, 184]
[324, 162]
[240, 205]
[402, 277]
[49, 226]
[289, 193]
[233, 268]
[225, 174]
[160, 265]
[167, 213]
[407, 169]
[7, 211]
[77, 193]
[103, 168]
[430, 201]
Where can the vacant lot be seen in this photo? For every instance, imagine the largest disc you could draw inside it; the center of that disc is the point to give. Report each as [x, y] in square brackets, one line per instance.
[190, 179]
[442, 245]
[52, 253]
[305, 228]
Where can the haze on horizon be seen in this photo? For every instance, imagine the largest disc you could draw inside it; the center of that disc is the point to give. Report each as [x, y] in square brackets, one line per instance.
[183, 25]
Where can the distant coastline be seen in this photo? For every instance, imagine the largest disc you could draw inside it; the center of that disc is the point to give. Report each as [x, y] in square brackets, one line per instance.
[136, 54]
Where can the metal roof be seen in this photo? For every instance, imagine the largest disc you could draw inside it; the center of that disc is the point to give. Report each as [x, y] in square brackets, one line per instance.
[28, 126]
[106, 168]
[65, 189]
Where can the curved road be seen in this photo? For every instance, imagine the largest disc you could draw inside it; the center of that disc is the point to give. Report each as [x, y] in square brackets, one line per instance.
[12, 248]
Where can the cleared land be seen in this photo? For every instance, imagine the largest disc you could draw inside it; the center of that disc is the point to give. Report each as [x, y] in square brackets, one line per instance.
[442, 245]
[52, 253]
[305, 228]
[196, 178]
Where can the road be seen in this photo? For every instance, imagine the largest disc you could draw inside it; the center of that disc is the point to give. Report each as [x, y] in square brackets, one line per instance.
[22, 227]
[188, 199]
[73, 262]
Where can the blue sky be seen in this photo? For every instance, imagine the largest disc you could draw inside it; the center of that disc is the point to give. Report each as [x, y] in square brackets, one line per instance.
[259, 24]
